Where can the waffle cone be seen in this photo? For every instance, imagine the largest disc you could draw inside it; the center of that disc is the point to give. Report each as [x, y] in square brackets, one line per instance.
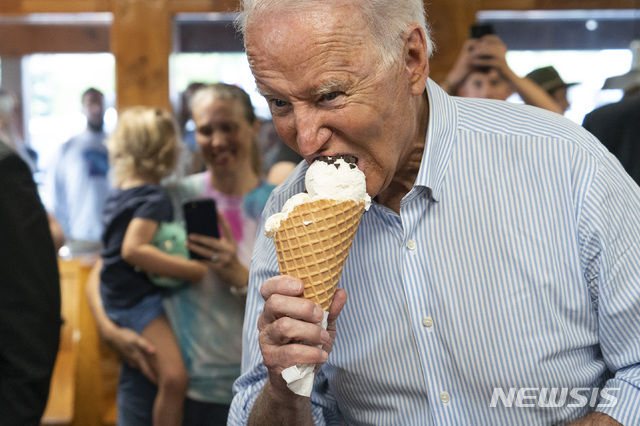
[313, 243]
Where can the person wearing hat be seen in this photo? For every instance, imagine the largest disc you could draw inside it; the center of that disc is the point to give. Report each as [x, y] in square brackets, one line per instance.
[630, 81]
[482, 71]
[549, 79]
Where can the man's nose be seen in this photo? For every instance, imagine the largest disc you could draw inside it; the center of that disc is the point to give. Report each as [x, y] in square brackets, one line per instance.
[311, 133]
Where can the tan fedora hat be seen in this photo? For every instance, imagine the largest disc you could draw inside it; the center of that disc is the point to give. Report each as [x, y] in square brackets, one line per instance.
[632, 78]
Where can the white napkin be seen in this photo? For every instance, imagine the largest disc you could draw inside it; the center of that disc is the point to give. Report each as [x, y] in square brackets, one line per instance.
[299, 377]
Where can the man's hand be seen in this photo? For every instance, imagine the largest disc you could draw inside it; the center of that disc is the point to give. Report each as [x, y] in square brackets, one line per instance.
[595, 419]
[462, 67]
[289, 334]
[490, 52]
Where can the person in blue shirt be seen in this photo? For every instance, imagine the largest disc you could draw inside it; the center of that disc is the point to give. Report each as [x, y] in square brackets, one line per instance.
[495, 279]
[76, 182]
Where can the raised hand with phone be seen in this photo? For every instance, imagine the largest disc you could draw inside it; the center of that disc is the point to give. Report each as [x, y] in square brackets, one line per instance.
[482, 71]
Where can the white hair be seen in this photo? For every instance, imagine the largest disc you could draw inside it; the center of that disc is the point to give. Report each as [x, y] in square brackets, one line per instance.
[388, 20]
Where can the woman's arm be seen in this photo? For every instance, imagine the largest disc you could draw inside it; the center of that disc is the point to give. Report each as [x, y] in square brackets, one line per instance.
[129, 345]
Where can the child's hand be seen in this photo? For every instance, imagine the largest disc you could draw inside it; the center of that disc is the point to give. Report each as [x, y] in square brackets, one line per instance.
[199, 270]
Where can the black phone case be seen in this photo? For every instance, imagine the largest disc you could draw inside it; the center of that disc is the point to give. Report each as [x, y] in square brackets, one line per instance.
[479, 30]
[201, 217]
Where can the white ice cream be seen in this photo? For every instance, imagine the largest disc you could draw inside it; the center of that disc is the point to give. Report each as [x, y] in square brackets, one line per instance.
[325, 181]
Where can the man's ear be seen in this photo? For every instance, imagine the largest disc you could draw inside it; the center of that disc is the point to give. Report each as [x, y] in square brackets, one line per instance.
[416, 59]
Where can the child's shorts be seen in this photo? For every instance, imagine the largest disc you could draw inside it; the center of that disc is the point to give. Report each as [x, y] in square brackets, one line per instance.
[140, 315]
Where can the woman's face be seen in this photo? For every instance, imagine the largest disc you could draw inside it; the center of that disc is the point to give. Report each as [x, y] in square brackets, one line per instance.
[224, 135]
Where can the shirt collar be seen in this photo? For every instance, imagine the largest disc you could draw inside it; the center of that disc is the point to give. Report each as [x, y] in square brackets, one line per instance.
[439, 142]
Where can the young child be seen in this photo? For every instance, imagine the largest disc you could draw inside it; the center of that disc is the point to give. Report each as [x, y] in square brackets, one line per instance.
[143, 149]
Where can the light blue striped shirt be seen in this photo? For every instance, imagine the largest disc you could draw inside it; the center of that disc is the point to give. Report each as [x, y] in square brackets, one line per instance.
[511, 274]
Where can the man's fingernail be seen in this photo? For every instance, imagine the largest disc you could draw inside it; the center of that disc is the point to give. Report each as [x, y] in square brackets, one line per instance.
[294, 286]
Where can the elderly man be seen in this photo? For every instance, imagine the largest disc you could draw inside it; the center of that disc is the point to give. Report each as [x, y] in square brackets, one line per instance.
[495, 278]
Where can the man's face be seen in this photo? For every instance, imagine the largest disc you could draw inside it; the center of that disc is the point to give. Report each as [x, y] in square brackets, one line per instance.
[93, 108]
[560, 96]
[327, 92]
[486, 85]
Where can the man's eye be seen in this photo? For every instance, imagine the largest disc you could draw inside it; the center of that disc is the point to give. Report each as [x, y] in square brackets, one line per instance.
[279, 103]
[330, 96]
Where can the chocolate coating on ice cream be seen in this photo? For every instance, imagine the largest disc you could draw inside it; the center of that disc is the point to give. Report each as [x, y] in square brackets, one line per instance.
[332, 159]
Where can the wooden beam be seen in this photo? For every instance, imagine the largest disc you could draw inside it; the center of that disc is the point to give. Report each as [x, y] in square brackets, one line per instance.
[53, 6]
[202, 6]
[555, 4]
[450, 21]
[24, 39]
[141, 43]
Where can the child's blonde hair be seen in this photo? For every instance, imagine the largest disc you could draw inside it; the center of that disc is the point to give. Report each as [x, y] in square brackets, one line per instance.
[145, 143]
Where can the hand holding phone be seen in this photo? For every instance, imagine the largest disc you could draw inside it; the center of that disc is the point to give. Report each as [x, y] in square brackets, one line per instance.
[201, 217]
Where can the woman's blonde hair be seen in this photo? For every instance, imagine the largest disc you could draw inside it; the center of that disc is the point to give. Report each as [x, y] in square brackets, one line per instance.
[145, 143]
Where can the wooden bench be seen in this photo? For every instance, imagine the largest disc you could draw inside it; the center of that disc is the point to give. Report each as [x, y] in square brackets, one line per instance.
[60, 405]
[85, 377]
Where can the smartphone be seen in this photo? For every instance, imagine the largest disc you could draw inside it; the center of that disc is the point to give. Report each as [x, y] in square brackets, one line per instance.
[479, 30]
[201, 217]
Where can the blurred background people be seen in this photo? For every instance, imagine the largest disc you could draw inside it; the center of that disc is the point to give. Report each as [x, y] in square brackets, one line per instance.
[10, 128]
[481, 71]
[617, 125]
[191, 159]
[285, 161]
[76, 183]
[29, 296]
[11, 135]
[550, 81]
[207, 318]
[628, 82]
[144, 148]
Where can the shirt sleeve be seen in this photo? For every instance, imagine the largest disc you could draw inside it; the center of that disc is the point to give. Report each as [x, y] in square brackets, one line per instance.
[609, 232]
[264, 265]
[157, 207]
[254, 374]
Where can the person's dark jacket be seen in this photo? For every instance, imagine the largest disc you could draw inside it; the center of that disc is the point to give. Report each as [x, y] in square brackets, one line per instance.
[618, 128]
[29, 296]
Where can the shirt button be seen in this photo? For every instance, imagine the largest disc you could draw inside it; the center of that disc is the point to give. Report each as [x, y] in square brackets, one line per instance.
[445, 397]
[427, 322]
[411, 245]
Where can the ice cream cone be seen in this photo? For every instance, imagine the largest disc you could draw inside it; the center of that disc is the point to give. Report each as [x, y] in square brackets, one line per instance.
[313, 242]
